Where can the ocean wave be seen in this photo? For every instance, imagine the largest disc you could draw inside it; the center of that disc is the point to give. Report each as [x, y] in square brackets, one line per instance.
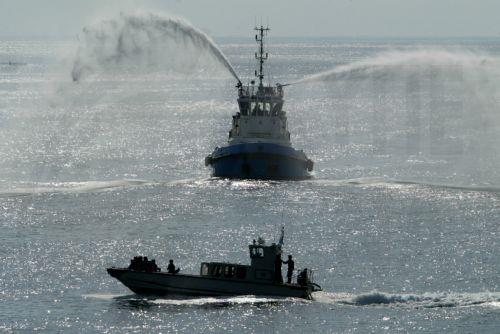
[424, 300]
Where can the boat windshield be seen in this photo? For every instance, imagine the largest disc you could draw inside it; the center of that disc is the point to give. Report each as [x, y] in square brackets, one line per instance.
[260, 108]
[229, 271]
[256, 252]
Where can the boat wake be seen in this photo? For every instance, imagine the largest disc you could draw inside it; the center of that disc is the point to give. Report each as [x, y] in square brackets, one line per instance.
[201, 301]
[226, 301]
[102, 296]
[27, 189]
[384, 182]
[363, 181]
[41, 188]
[38, 188]
[425, 300]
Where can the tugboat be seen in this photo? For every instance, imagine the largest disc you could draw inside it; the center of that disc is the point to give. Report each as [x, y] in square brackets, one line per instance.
[262, 277]
[259, 142]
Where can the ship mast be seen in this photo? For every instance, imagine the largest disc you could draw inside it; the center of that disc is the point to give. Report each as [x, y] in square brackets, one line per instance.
[261, 57]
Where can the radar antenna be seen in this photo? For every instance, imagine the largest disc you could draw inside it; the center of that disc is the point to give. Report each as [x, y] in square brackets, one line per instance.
[260, 56]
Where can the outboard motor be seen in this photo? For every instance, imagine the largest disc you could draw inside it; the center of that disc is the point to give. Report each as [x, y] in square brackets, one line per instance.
[305, 278]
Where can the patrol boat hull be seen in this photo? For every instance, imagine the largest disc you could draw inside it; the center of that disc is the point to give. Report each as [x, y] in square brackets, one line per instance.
[259, 161]
[158, 283]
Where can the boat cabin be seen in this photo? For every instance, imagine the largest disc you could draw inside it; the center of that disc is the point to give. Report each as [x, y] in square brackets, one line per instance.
[260, 100]
[261, 115]
[262, 267]
[264, 260]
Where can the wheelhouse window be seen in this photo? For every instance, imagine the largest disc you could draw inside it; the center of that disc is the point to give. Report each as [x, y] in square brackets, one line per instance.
[259, 108]
[229, 271]
[256, 252]
[204, 269]
[244, 108]
[217, 270]
[267, 109]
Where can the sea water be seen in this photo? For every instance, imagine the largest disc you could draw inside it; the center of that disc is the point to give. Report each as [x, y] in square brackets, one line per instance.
[400, 222]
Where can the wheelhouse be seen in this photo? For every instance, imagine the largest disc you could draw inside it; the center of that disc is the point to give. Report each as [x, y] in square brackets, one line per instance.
[261, 101]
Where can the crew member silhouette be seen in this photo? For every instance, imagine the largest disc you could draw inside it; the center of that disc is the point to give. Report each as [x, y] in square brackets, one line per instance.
[171, 267]
[291, 267]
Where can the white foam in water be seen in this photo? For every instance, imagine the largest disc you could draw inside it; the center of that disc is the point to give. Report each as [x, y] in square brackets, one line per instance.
[409, 60]
[71, 187]
[427, 300]
[228, 300]
[493, 304]
[26, 188]
[197, 301]
[389, 183]
[143, 40]
[102, 296]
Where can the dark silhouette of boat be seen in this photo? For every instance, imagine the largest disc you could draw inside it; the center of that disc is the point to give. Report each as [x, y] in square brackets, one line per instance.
[262, 277]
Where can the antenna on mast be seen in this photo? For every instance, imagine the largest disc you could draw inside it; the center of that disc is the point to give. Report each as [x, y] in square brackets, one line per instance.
[260, 56]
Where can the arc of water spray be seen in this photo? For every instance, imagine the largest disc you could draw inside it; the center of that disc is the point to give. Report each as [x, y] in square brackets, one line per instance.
[170, 26]
[199, 36]
[404, 59]
[189, 29]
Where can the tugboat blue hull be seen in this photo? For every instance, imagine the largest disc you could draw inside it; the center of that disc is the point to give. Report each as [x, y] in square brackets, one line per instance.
[260, 161]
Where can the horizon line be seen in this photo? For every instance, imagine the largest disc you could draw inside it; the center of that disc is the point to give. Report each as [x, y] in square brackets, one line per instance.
[67, 37]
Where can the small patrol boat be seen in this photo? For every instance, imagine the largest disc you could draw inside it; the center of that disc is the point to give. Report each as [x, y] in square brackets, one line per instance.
[262, 277]
[259, 144]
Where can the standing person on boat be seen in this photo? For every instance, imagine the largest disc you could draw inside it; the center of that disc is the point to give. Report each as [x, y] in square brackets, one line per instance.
[171, 268]
[291, 267]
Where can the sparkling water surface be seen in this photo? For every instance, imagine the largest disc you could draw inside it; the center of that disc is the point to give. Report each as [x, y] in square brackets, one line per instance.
[400, 222]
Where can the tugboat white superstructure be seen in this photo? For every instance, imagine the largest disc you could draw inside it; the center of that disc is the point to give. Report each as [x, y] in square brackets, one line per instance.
[259, 142]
